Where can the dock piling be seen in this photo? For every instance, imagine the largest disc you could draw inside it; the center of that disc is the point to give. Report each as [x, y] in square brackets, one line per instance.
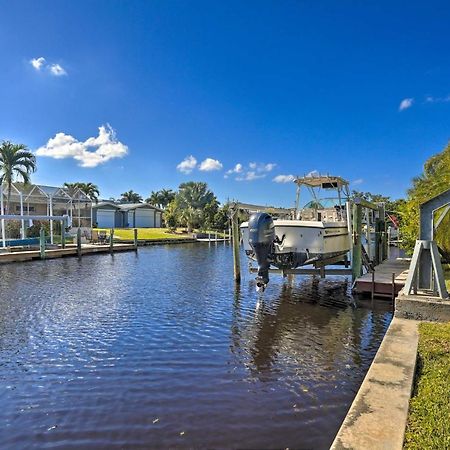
[42, 242]
[79, 243]
[111, 241]
[236, 239]
[63, 234]
[356, 251]
[135, 231]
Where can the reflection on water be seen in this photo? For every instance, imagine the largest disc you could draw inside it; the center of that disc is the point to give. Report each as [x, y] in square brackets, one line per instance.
[161, 349]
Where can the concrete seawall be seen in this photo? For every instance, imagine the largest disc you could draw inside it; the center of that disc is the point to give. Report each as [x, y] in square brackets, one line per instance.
[378, 415]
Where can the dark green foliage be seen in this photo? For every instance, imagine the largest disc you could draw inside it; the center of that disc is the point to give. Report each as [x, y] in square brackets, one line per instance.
[131, 197]
[16, 162]
[434, 180]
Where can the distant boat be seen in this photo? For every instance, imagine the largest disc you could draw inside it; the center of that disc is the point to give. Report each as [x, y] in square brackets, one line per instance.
[316, 234]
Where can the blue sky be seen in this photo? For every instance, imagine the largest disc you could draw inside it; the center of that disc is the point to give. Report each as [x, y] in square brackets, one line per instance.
[281, 88]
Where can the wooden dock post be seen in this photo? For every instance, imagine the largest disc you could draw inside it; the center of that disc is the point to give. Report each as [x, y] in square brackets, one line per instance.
[356, 252]
[135, 239]
[236, 239]
[79, 243]
[63, 234]
[111, 241]
[42, 242]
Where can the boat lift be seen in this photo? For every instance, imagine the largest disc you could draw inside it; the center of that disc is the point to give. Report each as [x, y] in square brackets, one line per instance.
[359, 212]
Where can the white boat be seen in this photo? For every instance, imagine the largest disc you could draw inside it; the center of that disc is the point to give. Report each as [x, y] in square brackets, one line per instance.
[316, 234]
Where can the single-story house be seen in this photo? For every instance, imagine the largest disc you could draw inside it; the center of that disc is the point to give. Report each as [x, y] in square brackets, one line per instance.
[126, 215]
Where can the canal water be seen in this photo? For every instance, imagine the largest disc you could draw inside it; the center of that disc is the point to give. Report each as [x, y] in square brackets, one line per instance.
[159, 349]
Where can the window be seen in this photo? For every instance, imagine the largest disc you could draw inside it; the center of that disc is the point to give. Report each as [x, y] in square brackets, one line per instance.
[25, 209]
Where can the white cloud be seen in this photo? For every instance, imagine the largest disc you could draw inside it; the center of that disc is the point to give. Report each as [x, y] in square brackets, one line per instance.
[255, 171]
[53, 69]
[250, 176]
[37, 63]
[57, 70]
[284, 178]
[210, 164]
[90, 153]
[238, 168]
[187, 165]
[262, 167]
[357, 181]
[405, 104]
[438, 99]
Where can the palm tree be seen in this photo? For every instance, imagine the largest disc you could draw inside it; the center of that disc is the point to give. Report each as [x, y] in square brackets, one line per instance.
[161, 198]
[194, 194]
[191, 200]
[131, 196]
[90, 189]
[16, 161]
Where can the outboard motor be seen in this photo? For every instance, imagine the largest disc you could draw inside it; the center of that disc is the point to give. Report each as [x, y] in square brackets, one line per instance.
[261, 236]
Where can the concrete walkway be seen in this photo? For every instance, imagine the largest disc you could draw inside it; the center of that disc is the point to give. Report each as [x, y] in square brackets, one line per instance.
[378, 415]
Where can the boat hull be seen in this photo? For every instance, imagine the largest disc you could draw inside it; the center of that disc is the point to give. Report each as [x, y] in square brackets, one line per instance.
[299, 243]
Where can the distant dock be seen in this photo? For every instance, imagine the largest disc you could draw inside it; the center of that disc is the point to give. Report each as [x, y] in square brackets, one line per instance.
[70, 250]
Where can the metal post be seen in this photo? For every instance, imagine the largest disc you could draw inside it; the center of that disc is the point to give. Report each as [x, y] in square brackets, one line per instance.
[51, 221]
[135, 231]
[111, 241]
[2, 211]
[42, 242]
[22, 230]
[236, 256]
[348, 210]
[357, 254]
[79, 243]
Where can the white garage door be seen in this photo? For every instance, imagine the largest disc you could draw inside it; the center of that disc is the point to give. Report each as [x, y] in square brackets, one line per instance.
[105, 218]
[145, 218]
[158, 220]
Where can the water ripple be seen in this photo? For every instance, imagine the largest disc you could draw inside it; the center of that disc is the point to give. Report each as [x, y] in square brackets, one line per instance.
[160, 349]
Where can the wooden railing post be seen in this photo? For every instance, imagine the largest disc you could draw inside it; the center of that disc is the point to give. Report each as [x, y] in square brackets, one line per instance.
[42, 242]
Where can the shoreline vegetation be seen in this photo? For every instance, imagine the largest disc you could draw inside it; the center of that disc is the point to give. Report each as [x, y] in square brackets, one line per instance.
[429, 413]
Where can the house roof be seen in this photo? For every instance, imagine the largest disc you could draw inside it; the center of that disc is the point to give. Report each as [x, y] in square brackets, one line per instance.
[126, 206]
[39, 193]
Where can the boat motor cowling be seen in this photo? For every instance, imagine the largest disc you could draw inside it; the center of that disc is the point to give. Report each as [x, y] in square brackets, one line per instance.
[261, 236]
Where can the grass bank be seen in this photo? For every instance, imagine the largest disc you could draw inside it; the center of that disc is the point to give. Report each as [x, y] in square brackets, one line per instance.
[145, 234]
[429, 415]
[447, 276]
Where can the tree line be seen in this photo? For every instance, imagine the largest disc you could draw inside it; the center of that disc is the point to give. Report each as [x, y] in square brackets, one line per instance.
[194, 205]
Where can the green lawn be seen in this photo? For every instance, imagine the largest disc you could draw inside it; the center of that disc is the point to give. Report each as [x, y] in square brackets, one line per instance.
[429, 415]
[145, 233]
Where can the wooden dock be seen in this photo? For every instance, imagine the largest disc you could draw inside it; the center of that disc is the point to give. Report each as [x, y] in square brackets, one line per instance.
[70, 250]
[387, 280]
